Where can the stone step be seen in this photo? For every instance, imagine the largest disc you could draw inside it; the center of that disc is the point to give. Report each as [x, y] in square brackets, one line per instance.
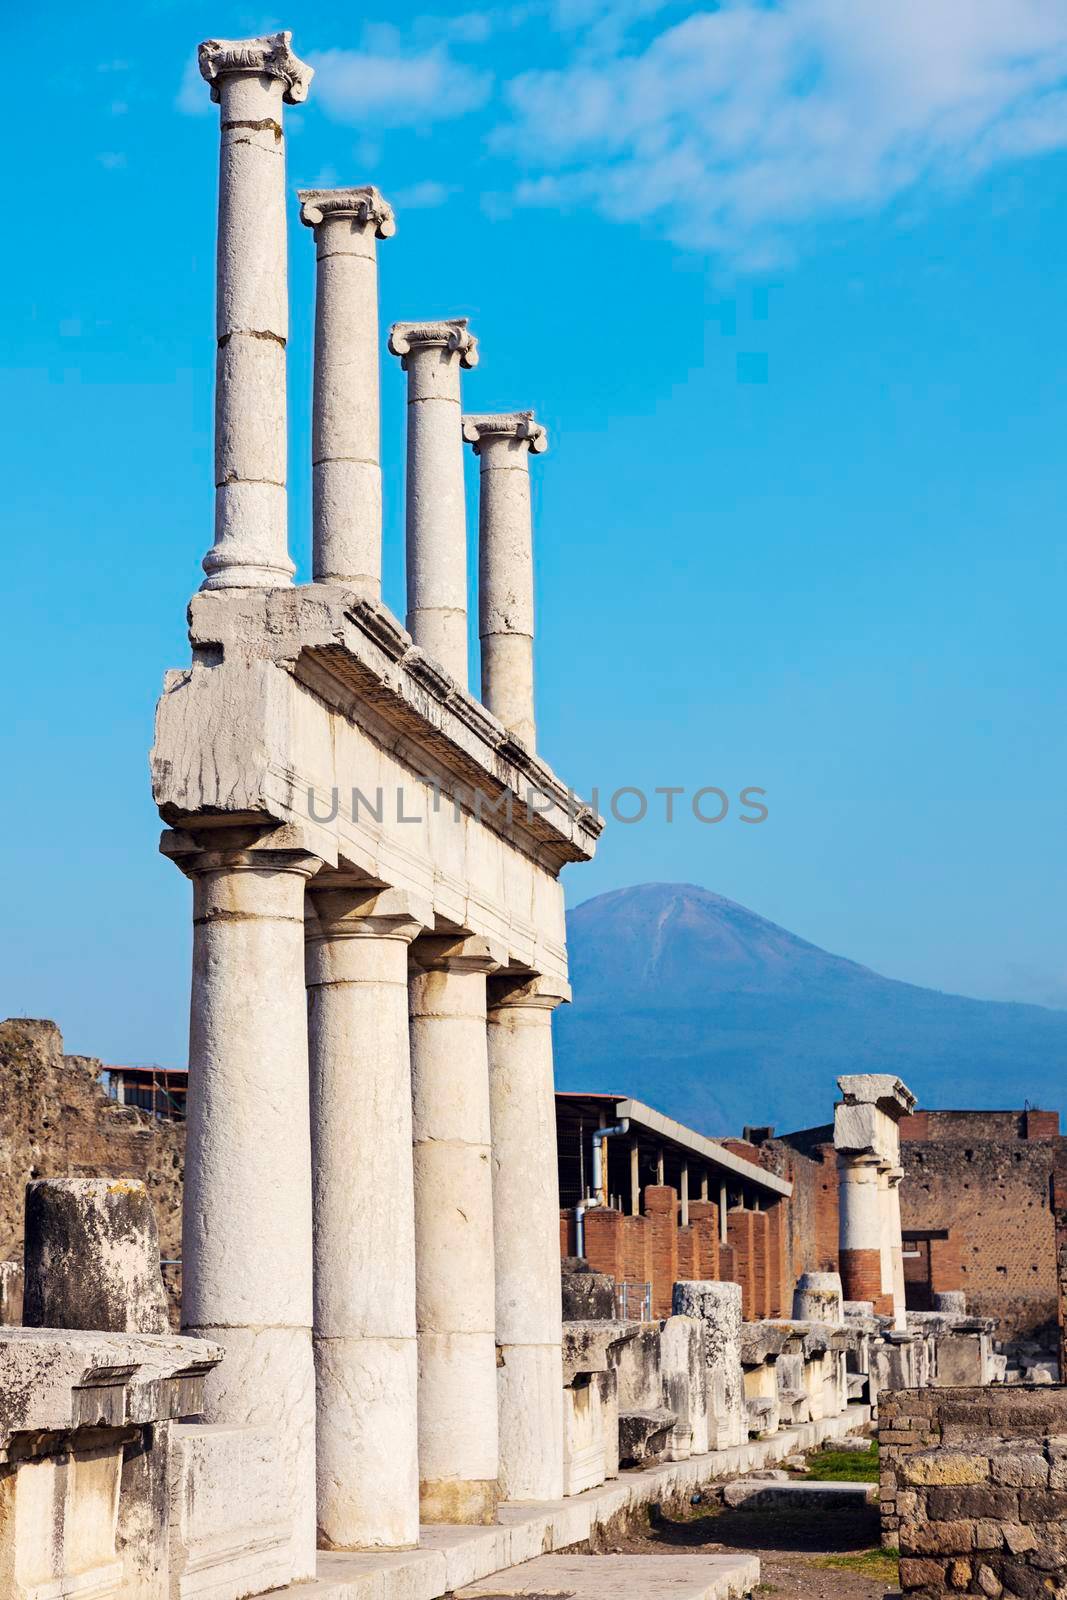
[667, 1577]
[768, 1494]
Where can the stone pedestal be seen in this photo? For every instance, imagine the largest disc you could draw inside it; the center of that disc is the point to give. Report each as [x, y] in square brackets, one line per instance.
[250, 79]
[454, 1254]
[718, 1305]
[345, 429]
[503, 442]
[246, 1218]
[526, 1231]
[432, 354]
[92, 1257]
[364, 1222]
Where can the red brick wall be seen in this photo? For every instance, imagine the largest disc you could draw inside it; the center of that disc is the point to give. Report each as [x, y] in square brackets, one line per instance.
[780, 1286]
[603, 1241]
[661, 1205]
[740, 1231]
[994, 1199]
[861, 1278]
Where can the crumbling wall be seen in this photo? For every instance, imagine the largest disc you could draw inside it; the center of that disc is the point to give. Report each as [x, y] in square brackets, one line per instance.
[56, 1121]
[811, 1211]
[974, 1489]
[994, 1198]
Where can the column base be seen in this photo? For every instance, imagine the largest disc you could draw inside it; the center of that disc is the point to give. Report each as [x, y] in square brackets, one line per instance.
[530, 1395]
[268, 1377]
[459, 1500]
[367, 1460]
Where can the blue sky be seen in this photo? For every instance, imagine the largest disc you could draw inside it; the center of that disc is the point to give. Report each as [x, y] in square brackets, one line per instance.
[786, 284]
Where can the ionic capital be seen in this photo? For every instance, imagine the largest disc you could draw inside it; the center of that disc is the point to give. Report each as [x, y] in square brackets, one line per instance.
[527, 992]
[483, 427]
[453, 335]
[456, 953]
[270, 56]
[364, 204]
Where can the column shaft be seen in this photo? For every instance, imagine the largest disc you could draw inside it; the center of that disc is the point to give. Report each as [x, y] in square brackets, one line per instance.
[529, 1326]
[364, 1234]
[346, 470]
[246, 1215]
[432, 355]
[250, 79]
[861, 1229]
[455, 1287]
[897, 1249]
[505, 565]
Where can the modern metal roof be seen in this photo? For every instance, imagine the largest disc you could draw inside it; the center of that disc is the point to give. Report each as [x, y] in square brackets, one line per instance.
[647, 1120]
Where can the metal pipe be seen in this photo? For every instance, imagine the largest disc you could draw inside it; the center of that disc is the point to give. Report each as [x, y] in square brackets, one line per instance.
[599, 1196]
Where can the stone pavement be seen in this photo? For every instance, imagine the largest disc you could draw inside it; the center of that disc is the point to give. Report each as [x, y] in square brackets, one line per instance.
[621, 1577]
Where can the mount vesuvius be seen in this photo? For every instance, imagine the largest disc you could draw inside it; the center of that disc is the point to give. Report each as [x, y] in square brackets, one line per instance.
[708, 1011]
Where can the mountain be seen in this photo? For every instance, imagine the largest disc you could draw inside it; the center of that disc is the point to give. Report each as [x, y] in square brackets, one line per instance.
[718, 1017]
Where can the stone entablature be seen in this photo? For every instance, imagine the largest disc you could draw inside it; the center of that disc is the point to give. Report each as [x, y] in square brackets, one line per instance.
[341, 698]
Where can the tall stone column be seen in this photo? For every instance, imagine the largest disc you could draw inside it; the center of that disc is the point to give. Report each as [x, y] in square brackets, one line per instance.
[504, 443]
[894, 1177]
[432, 354]
[529, 1326]
[250, 79]
[345, 427]
[366, 1367]
[867, 1141]
[454, 1258]
[246, 1211]
[861, 1229]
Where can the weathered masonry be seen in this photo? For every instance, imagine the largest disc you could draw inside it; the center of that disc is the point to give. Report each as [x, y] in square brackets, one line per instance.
[371, 1207]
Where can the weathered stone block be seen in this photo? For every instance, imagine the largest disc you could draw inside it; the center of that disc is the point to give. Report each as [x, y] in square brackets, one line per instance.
[92, 1257]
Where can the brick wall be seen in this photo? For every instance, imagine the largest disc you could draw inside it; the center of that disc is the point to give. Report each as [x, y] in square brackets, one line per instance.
[661, 1211]
[741, 1234]
[974, 1489]
[811, 1231]
[994, 1201]
[980, 1127]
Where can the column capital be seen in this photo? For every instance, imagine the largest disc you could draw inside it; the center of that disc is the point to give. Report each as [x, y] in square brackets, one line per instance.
[239, 849]
[270, 56]
[480, 428]
[453, 335]
[859, 1160]
[456, 952]
[366, 914]
[527, 991]
[363, 204]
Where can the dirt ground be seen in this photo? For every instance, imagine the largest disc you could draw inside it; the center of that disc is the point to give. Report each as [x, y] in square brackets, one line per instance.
[831, 1555]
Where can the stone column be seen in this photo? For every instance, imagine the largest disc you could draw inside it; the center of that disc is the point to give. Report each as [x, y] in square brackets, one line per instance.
[246, 1212]
[250, 79]
[364, 1218]
[454, 1259]
[860, 1223]
[505, 565]
[432, 354]
[894, 1177]
[529, 1326]
[345, 427]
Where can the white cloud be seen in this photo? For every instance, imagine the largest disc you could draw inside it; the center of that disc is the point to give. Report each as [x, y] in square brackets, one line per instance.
[732, 128]
[390, 88]
[423, 196]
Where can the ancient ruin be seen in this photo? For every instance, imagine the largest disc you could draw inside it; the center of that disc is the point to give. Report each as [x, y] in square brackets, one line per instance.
[403, 1367]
